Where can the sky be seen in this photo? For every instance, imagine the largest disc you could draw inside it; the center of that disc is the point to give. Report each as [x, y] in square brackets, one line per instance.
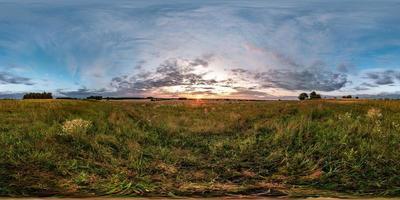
[259, 49]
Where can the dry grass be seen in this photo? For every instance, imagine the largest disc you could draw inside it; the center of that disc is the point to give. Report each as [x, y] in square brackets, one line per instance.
[198, 147]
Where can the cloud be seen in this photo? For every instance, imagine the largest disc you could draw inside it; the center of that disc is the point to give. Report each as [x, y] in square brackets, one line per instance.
[193, 77]
[172, 72]
[377, 79]
[8, 78]
[245, 93]
[82, 92]
[381, 95]
[365, 86]
[306, 79]
[11, 95]
[345, 67]
[386, 77]
[311, 78]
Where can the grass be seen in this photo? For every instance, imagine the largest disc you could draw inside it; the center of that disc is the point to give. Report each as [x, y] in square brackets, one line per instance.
[199, 148]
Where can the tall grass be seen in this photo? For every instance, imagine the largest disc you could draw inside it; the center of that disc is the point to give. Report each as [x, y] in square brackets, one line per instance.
[156, 148]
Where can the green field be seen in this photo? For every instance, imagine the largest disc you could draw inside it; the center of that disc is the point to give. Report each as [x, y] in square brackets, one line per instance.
[84, 148]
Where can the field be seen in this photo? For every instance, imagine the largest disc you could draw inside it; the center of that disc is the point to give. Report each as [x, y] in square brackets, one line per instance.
[200, 148]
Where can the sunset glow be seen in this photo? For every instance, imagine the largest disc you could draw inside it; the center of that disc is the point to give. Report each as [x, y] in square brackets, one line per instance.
[216, 49]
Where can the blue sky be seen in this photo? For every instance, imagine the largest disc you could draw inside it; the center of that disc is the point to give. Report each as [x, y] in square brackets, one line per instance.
[239, 49]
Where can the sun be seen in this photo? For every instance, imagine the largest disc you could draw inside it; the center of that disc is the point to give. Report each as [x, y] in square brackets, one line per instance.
[198, 96]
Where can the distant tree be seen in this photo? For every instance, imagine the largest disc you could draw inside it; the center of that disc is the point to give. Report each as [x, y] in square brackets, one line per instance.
[314, 95]
[95, 97]
[347, 97]
[356, 97]
[36, 95]
[67, 98]
[303, 96]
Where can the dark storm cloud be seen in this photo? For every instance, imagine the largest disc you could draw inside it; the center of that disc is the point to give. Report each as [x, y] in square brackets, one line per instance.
[199, 61]
[184, 73]
[306, 79]
[385, 81]
[368, 85]
[312, 78]
[204, 93]
[365, 86]
[170, 73]
[397, 75]
[386, 77]
[239, 71]
[246, 92]
[378, 78]
[10, 95]
[382, 95]
[345, 67]
[82, 92]
[342, 68]
[140, 64]
[8, 78]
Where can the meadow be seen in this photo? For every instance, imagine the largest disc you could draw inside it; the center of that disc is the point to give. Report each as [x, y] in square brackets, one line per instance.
[199, 148]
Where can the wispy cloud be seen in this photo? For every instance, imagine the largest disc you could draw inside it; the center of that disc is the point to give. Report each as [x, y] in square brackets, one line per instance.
[383, 77]
[8, 78]
[81, 92]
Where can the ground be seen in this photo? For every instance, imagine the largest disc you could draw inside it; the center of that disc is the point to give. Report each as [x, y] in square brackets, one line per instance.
[199, 148]
[224, 198]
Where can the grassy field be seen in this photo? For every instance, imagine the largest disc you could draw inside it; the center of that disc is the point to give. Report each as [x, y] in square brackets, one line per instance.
[63, 147]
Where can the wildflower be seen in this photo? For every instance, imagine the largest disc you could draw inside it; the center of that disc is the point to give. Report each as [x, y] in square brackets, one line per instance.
[396, 125]
[345, 116]
[378, 126]
[374, 113]
[76, 126]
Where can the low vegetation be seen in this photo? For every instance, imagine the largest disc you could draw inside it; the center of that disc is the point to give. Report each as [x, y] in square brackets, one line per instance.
[74, 147]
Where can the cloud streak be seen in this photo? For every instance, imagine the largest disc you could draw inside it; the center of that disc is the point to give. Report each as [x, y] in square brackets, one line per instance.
[8, 78]
[384, 77]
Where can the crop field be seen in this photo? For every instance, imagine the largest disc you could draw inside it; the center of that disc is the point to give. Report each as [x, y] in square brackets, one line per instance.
[199, 148]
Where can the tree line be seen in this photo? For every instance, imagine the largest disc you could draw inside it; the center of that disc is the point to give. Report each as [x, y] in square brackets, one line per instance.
[314, 95]
[37, 95]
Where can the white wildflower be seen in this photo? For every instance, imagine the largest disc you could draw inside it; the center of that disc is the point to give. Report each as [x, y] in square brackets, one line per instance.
[374, 113]
[396, 125]
[345, 116]
[76, 126]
